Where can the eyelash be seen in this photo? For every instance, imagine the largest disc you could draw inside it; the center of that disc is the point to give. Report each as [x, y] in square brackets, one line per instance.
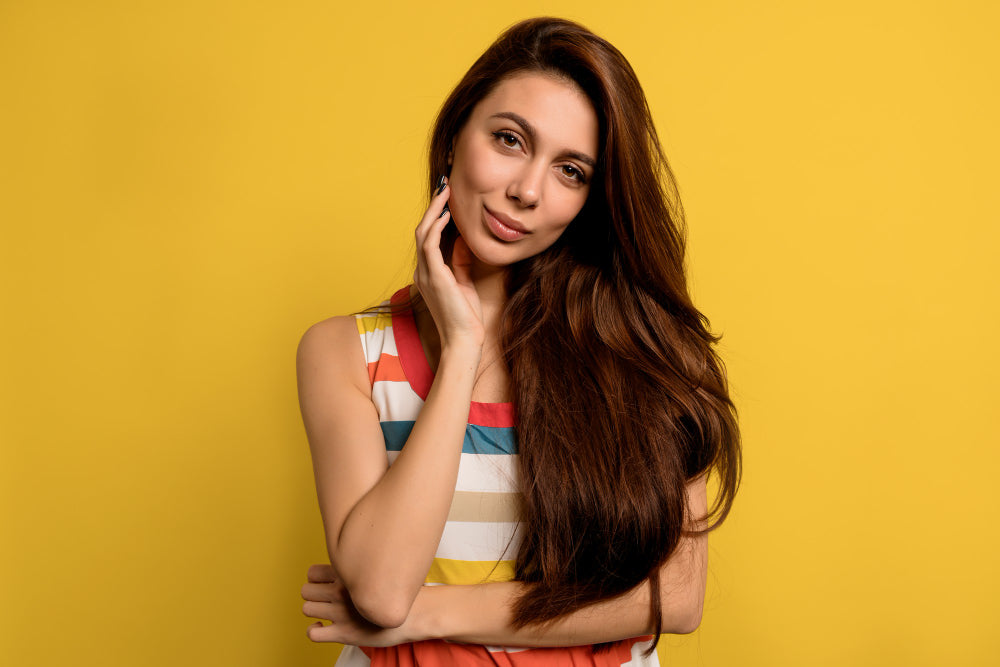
[502, 135]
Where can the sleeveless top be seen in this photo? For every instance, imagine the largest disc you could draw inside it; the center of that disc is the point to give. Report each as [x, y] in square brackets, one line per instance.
[481, 536]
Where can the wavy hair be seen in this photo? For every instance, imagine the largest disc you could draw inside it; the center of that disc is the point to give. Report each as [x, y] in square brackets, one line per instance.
[619, 396]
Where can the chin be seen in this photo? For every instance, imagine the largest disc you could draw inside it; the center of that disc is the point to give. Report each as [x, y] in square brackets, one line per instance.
[494, 256]
[488, 250]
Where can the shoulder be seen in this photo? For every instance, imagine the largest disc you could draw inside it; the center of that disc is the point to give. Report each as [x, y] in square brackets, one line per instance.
[328, 337]
[332, 347]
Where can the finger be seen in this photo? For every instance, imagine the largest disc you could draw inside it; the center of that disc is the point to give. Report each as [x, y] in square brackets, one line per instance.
[321, 610]
[437, 204]
[323, 592]
[420, 236]
[432, 243]
[320, 573]
[314, 631]
[318, 632]
[430, 261]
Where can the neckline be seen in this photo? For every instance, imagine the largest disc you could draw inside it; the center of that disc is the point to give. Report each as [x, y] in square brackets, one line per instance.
[417, 368]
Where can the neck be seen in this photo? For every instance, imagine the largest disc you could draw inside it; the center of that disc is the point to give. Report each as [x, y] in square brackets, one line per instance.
[490, 284]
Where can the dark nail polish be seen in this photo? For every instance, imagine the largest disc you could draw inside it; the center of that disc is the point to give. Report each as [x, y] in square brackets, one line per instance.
[444, 210]
[440, 186]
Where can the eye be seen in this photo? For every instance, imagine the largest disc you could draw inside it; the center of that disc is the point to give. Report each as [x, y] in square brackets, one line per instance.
[573, 173]
[508, 139]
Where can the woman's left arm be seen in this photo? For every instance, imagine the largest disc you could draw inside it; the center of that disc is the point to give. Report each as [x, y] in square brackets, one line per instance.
[482, 613]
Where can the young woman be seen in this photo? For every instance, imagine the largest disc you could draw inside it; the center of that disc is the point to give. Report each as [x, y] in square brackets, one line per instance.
[511, 454]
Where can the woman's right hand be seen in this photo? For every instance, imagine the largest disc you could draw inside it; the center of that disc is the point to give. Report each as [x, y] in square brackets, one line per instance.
[449, 292]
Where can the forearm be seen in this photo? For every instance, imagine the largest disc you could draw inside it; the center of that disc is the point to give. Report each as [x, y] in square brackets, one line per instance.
[405, 512]
[483, 613]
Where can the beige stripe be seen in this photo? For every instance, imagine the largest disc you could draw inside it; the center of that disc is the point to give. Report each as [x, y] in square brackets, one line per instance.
[485, 507]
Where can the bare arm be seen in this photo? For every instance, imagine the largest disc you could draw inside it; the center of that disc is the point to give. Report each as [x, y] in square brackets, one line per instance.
[383, 523]
[481, 614]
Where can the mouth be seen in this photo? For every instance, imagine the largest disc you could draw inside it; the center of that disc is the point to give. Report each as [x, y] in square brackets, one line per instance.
[504, 228]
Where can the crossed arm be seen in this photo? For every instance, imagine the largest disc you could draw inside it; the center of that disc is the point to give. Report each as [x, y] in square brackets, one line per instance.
[481, 614]
[372, 512]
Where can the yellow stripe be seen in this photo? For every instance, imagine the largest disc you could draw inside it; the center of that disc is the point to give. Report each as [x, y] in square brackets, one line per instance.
[467, 572]
[370, 322]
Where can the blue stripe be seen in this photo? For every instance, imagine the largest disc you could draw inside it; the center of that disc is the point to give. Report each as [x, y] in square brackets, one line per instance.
[478, 439]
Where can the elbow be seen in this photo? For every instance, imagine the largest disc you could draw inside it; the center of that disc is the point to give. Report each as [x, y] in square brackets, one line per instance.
[376, 595]
[684, 618]
[682, 613]
[380, 606]
[688, 622]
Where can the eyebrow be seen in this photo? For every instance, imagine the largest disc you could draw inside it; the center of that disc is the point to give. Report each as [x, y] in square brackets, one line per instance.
[530, 131]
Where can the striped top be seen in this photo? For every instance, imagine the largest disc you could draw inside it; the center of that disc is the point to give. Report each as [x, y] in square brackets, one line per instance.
[481, 537]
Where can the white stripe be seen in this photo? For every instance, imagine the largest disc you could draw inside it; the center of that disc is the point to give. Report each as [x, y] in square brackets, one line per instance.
[378, 342]
[489, 473]
[396, 401]
[388, 345]
[483, 472]
[472, 540]
[639, 660]
[352, 656]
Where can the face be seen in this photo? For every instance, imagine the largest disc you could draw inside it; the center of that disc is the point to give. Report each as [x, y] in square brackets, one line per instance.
[522, 167]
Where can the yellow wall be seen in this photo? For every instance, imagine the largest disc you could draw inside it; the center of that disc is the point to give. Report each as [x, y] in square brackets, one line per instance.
[186, 186]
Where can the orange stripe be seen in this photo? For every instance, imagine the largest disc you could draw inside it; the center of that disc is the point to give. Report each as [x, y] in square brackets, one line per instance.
[386, 369]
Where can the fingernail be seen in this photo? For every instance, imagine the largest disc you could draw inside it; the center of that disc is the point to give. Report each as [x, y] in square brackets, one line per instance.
[440, 185]
[444, 211]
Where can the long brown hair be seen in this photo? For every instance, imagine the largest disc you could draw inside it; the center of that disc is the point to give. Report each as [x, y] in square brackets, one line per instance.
[619, 396]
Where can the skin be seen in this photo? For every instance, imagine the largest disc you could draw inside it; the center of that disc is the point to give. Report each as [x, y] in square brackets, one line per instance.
[373, 512]
[526, 152]
[533, 173]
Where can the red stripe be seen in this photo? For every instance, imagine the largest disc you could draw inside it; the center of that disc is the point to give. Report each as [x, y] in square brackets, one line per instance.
[500, 415]
[417, 369]
[411, 352]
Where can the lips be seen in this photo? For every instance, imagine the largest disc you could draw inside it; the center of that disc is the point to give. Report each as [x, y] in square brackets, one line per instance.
[503, 227]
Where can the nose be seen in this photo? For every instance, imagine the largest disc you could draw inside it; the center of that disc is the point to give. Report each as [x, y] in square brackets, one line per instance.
[526, 186]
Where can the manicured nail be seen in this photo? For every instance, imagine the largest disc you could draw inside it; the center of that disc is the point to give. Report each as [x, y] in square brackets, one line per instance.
[440, 185]
[444, 211]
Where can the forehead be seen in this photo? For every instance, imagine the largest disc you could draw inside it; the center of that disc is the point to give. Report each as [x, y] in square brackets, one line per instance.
[559, 111]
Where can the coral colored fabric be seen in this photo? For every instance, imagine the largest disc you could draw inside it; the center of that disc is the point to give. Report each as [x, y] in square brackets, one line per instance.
[448, 654]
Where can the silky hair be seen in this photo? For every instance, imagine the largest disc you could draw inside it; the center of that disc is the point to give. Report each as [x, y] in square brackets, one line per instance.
[619, 396]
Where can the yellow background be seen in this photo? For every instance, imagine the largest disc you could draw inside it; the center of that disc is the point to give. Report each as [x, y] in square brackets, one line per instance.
[186, 186]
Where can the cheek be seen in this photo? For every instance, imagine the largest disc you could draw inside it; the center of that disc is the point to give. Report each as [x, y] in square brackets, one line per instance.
[479, 166]
[566, 211]
[474, 173]
[484, 171]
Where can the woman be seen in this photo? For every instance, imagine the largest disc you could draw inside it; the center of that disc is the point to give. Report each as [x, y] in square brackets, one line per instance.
[549, 286]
